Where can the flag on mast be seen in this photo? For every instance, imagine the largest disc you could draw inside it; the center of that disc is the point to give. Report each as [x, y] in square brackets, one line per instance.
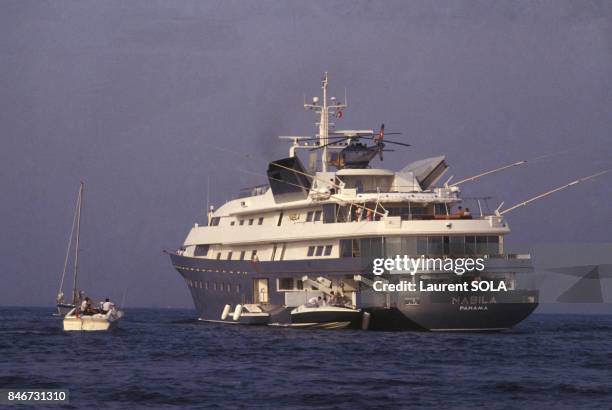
[381, 133]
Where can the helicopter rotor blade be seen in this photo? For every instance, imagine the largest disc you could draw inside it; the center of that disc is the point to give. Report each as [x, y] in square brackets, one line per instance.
[329, 143]
[397, 143]
[317, 138]
[389, 141]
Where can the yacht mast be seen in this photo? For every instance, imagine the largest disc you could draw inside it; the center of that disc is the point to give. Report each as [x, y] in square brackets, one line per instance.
[324, 110]
[76, 248]
[324, 125]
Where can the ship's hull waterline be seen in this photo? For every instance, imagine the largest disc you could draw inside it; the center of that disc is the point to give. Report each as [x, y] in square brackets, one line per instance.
[216, 283]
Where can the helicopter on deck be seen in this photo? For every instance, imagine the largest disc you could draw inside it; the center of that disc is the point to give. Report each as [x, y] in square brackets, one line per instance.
[347, 151]
[357, 154]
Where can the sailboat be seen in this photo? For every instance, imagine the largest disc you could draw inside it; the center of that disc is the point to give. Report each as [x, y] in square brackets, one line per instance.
[74, 318]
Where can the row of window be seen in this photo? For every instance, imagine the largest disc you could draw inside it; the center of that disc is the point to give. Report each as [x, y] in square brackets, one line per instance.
[230, 254]
[282, 284]
[199, 284]
[376, 247]
[311, 216]
[202, 250]
[321, 250]
[250, 221]
[420, 245]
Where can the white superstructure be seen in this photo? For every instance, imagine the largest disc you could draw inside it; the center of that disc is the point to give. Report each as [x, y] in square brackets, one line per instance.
[314, 231]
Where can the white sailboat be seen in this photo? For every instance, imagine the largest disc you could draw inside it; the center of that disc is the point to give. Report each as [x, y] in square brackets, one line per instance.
[75, 319]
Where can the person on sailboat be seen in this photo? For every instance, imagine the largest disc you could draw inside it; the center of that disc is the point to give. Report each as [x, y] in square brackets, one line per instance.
[84, 305]
[107, 306]
[89, 310]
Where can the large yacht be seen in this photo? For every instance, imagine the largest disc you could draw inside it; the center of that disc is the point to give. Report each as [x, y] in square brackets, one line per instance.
[299, 251]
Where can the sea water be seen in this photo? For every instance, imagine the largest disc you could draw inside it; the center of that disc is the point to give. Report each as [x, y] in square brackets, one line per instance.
[165, 359]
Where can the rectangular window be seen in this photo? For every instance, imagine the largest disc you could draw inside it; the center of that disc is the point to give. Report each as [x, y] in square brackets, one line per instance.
[440, 209]
[309, 216]
[370, 248]
[470, 245]
[205, 285]
[218, 255]
[201, 250]
[317, 216]
[232, 223]
[319, 250]
[214, 285]
[409, 246]
[215, 221]
[481, 245]
[328, 249]
[280, 219]
[273, 252]
[228, 287]
[284, 284]
[421, 245]
[434, 246]
[260, 221]
[251, 221]
[346, 248]
[282, 255]
[229, 256]
[241, 222]
[329, 213]
[254, 254]
[311, 250]
[493, 245]
[242, 255]
[356, 250]
[237, 288]
[393, 246]
[457, 245]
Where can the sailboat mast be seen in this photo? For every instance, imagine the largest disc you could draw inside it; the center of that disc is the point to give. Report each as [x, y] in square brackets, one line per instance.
[76, 248]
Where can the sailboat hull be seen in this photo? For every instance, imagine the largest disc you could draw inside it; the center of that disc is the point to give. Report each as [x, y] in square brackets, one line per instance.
[98, 322]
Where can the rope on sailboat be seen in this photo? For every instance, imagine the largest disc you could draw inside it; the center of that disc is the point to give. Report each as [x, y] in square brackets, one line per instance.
[123, 299]
[61, 286]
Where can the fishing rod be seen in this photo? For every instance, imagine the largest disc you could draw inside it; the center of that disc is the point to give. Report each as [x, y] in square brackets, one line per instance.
[547, 193]
[514, 164]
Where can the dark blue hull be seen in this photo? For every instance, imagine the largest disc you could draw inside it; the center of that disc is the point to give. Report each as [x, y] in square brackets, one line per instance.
[216, 283]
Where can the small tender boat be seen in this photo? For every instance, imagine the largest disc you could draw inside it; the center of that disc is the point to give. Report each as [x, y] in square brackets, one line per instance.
[74, 319]
[326, 317]
[98, 321]
[248, 314]
[252, 314]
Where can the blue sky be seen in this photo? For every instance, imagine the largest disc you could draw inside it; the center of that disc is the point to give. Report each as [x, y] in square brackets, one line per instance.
[135, 97]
